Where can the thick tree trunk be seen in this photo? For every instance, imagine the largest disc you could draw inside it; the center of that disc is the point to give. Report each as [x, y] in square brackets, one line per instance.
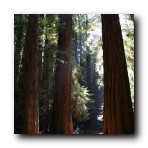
[118, 112]
[62, 113]
[31, 124]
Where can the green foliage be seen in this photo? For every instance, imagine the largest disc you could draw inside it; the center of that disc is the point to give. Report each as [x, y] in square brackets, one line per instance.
[81, 98]
[48, 37]
[128, 38]
[87, 42]
[20, 26]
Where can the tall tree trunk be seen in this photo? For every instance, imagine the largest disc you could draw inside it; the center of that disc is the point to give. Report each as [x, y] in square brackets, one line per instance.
[88, 78]
[19, 31]
[62, 109]
[118, 112]
[42, 32]
[45, 84]
[88, 60]
[18, 47]
[31, 124]
[80, 41]
[75, 40]
[40, 66]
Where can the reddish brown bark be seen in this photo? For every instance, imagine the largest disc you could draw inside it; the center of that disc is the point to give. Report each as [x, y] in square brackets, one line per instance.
[31, 124]
[118, 112]
[62, 113]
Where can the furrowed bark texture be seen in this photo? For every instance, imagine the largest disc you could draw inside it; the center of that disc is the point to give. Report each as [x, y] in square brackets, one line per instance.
[31, 124]
[62, 114]
[118, 112]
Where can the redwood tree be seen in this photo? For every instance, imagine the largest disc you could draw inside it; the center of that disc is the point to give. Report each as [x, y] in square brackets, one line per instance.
[118, 112]
[62, 112]
[31, 123]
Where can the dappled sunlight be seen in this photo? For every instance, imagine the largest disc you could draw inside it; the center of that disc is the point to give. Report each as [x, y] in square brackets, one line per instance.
[100, 117]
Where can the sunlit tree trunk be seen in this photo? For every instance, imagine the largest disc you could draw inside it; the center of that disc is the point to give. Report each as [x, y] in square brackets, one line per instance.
[42, 32]
[80, 40]
[31, 124]
[75, 40]
[62, 109]
[45, 85]
[118, 112]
